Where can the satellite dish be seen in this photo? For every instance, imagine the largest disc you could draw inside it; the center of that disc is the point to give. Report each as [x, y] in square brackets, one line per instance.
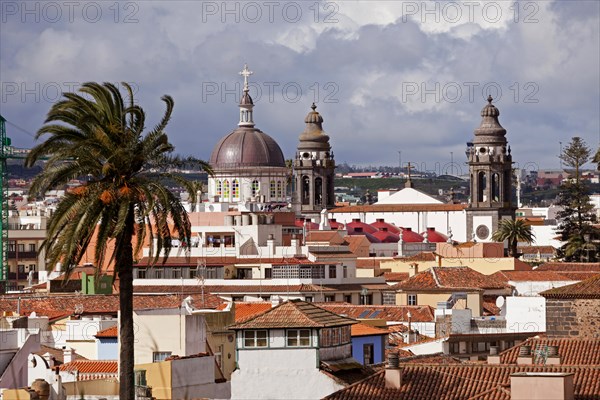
[500, 301]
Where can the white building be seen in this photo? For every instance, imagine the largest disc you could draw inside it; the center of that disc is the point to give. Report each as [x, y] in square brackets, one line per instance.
[289, 351]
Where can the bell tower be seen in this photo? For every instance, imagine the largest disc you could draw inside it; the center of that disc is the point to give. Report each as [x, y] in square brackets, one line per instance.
[314, 168]
[490, 167]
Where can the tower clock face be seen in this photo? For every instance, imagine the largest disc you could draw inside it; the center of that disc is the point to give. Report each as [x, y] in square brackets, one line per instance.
[482, 232]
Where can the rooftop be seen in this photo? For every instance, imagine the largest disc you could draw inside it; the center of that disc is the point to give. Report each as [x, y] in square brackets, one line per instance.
[587, 289]
[388, 313]
[572, 351]
[462, 382]
[294, 314]
[367, 330]
[112, 332]
[451, 278]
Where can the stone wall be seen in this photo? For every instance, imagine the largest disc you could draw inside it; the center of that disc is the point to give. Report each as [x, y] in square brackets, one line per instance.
[573, 318]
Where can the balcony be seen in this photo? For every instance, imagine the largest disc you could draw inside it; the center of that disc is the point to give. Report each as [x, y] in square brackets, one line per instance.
[22, 255]
[21, 276]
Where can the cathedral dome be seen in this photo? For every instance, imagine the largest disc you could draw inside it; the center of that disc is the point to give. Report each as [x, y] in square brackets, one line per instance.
[247, 147]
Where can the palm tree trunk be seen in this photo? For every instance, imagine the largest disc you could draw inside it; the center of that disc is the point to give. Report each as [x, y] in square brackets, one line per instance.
[124, 259]
[513, 248]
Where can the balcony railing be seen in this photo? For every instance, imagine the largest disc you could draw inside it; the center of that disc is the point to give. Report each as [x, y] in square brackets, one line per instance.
[22, 255]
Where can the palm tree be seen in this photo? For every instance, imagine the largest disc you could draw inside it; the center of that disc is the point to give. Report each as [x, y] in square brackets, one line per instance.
[99, 136]
[514, 231]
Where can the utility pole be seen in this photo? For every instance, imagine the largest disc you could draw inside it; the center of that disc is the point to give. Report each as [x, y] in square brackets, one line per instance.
[399, 162]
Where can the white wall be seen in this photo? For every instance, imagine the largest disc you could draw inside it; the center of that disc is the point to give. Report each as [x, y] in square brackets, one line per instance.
[526, 314]
[533, 288]
[280, 374]
[155, 330]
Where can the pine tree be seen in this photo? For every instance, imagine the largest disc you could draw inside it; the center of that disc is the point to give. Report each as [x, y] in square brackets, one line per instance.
[577, 216]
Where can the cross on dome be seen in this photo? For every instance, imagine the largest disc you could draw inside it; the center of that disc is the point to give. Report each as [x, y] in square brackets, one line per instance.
[246, 73]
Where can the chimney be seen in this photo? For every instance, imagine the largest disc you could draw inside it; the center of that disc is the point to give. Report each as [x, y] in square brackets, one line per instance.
[295, 244]
[524, 357]
[542, 386]
[553, 356]
[413, 269]
[67, 354]
[393, 373]
[493, 357]
[270, 245]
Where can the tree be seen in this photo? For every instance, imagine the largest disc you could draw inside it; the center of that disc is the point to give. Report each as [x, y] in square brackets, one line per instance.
[575, 155]
[576, 217]
[513, 231]
[98, 136]
[597, 158]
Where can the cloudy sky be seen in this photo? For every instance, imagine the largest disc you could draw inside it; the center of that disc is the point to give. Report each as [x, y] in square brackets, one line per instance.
[387, 76]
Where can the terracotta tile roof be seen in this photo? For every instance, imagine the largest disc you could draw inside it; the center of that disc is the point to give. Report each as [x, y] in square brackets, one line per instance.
[588, 289]
[489, 305]
[331, 237]
[294, 314]
[58, 354]
[536, 249]
[461, 382]
[235, 289]
[112, 332]
[388, 313]
[524, 276]
[101, 304]
[395, 276]
[245, 310]
[442, 278]
[367, 330]
[578, 275]
[399, 208]
[91, 369]
[571, 267]
[572, 351]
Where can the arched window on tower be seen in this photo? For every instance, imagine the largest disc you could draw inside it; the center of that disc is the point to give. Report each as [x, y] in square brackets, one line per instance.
[279, 190]
[272, 189]
[255, 188]
[508, 185]
[219, 188]
[305, 190]
[318, 191]
[225, 190]
[481, 186]
[495, 187]
[235, 189]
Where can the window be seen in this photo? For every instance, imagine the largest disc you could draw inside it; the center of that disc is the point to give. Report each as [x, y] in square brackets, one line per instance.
[348, 298]
[176, 273]
[32, 247]
[235, 189]
[412, 299]
[225, 190]
[219, 189]
[159, 356]
[279, 189]
[272, 189]
[332, 271]
[141, 273]
[329, 299]
[12, 245]
[255, 338]
[255, 187]
[345, 270]
[219, 355]
[268, 273]
[32, 267]
[21, 247]
[368, 354]
[455, 348]
[308, 299]
[298, 337]
[389, 298]
[21, 268]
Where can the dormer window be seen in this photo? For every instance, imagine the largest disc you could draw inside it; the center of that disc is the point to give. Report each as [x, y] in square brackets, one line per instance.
[255, 338]
[298, 337]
